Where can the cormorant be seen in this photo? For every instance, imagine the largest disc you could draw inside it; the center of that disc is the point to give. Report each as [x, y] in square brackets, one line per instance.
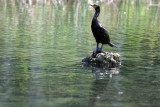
[100, 33]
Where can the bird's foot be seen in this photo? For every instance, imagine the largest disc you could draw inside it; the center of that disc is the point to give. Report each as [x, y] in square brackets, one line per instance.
[97, 50]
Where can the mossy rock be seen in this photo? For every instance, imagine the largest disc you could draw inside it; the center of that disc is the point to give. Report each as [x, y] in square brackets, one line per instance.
[104, 59]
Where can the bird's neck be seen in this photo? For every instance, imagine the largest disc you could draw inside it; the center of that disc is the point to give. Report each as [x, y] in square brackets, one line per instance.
[94, 20]
[96, 13]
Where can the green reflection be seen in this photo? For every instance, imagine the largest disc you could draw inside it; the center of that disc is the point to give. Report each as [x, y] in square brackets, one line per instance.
[42, 44]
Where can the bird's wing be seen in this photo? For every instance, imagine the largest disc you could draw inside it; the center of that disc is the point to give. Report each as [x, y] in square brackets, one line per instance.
[105, 33]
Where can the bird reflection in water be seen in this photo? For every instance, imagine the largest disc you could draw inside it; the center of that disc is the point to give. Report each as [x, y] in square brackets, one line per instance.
[105, 85]
[101, 72]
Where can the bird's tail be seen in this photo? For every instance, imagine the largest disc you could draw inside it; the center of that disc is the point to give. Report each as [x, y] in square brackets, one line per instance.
[112, 45]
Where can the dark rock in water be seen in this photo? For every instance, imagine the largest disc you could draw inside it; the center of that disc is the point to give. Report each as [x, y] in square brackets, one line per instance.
[106, 59]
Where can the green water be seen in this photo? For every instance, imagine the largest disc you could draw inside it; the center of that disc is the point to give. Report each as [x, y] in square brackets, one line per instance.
[42, 45]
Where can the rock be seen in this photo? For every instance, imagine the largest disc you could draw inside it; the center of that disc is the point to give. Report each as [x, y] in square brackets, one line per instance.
[100, 57]
[103, 59]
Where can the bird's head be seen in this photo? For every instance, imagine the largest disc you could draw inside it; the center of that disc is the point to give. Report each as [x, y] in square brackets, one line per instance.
[95, 6]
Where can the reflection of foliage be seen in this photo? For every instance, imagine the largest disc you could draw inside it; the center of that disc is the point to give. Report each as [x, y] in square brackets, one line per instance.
[40, 42]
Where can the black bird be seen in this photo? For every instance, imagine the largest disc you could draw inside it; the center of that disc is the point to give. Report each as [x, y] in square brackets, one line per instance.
[100, 33]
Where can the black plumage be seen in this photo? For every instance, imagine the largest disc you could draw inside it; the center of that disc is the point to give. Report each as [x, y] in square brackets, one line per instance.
[100, 33]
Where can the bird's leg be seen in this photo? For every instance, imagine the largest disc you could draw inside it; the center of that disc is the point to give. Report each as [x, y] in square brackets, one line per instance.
[97, 49]
[101, 48]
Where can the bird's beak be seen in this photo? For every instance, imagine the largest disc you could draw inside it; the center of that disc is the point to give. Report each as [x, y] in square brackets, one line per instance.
[92, 5]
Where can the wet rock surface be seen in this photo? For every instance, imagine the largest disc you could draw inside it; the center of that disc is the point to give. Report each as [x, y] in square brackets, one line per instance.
[104, 59]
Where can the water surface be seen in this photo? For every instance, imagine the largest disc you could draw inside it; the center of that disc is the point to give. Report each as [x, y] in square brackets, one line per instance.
[42, 45]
